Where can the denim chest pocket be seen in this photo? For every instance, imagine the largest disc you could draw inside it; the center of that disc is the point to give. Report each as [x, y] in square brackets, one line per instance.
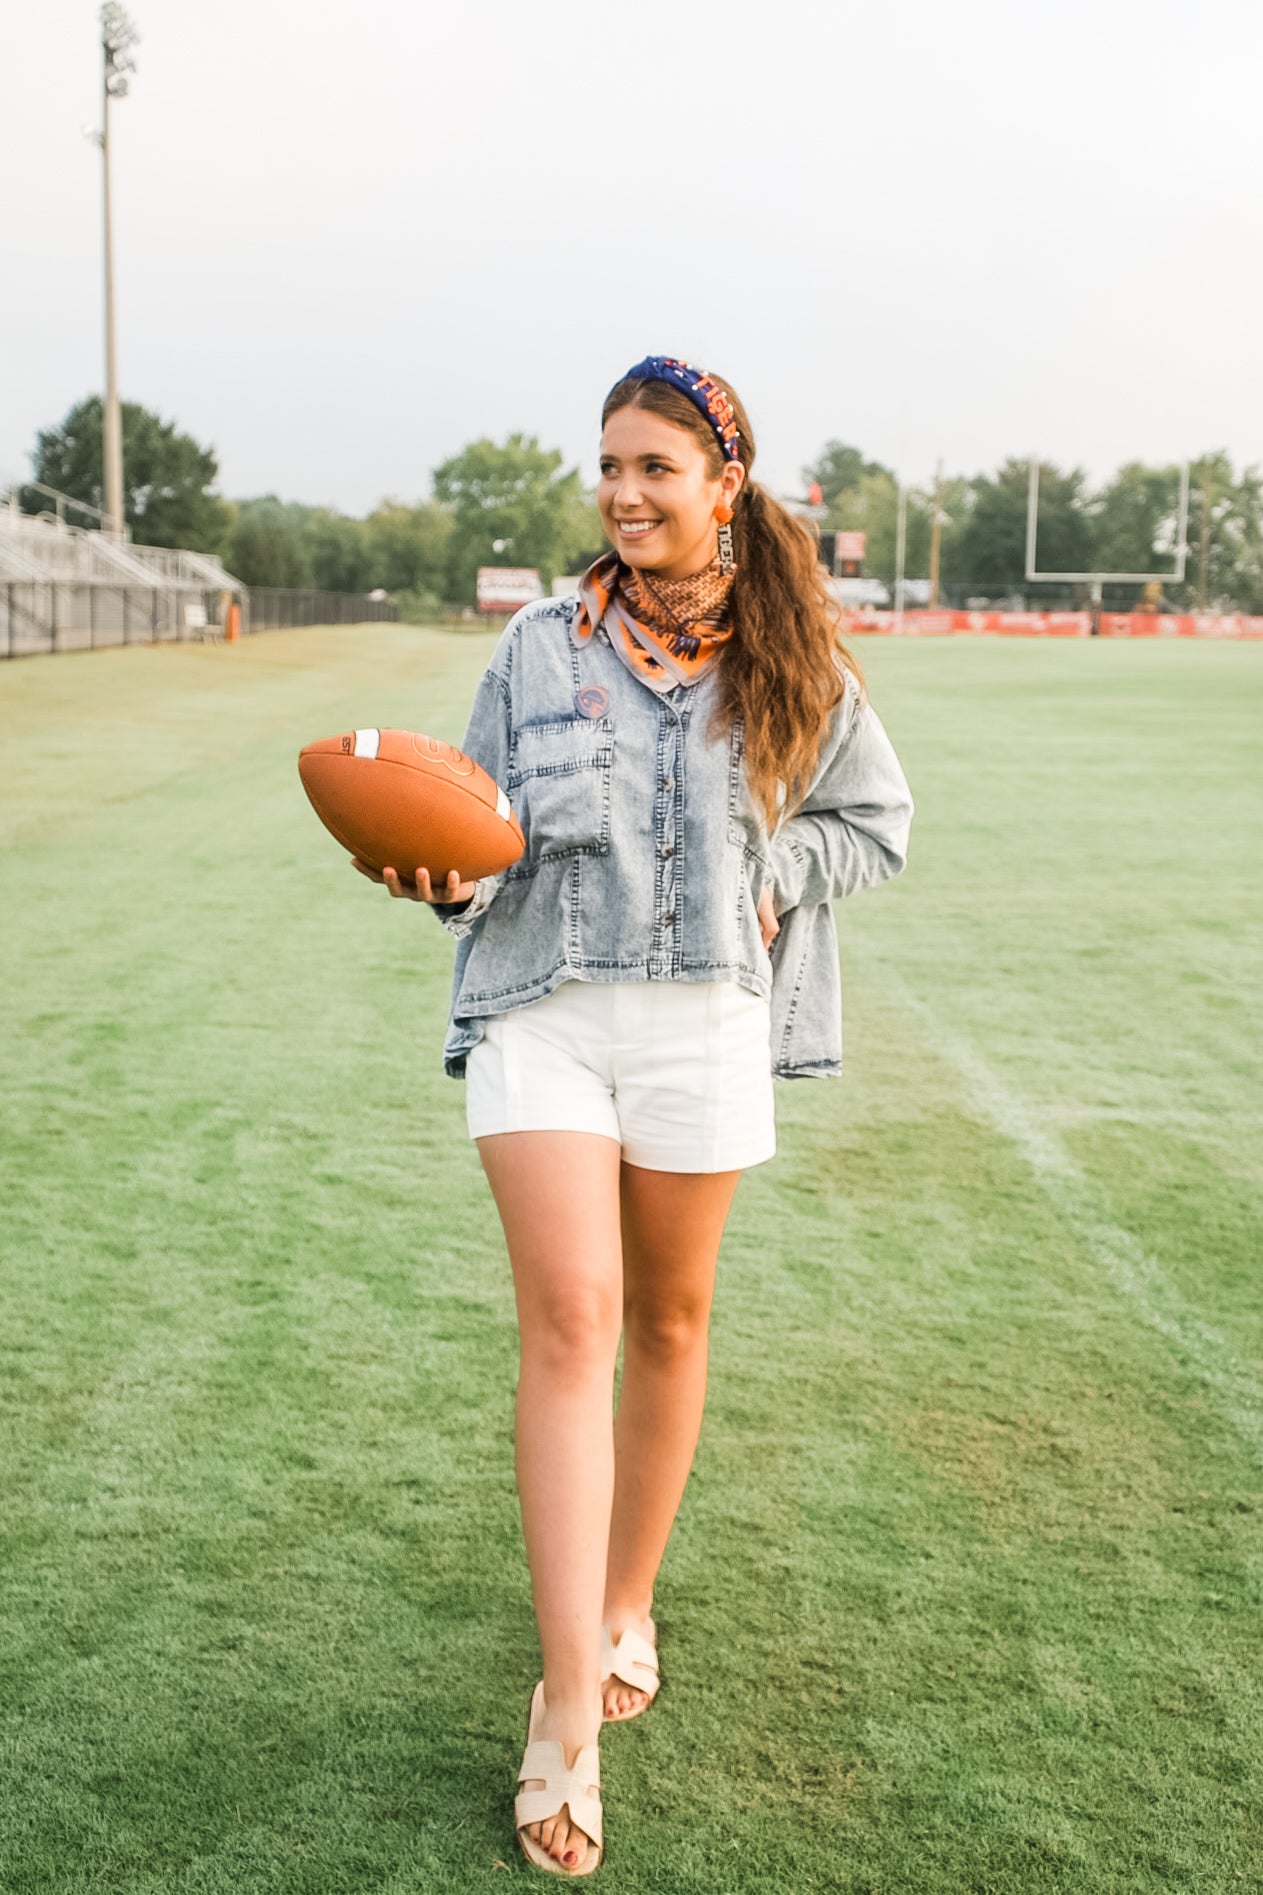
[559, 785]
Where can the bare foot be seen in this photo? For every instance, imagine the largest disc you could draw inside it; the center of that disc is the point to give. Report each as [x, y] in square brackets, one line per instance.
[572, 1727]
[622, 1699]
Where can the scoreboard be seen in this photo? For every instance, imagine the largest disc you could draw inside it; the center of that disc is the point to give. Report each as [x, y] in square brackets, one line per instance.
[843, 554]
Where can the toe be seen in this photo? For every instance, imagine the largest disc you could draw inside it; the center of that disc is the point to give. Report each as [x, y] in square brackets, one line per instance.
[621, 1700]
[565, 1840]
[575, 1852]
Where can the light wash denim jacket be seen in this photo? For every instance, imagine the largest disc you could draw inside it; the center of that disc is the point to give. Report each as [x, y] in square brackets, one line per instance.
[645, 851]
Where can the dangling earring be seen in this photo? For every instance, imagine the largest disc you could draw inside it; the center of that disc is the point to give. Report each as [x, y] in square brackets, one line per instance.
[727, 563]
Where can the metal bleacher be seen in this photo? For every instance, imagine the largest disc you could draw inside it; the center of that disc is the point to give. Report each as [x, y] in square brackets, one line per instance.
[65, 587]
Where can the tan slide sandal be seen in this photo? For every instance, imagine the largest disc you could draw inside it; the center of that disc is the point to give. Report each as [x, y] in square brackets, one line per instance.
[633, 1661]
[578, 1788]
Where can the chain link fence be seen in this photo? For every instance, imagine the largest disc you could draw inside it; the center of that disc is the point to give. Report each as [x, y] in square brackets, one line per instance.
[274, 608]
[41, 616]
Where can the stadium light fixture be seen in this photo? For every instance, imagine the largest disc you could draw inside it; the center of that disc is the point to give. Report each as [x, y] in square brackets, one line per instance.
[118, 37]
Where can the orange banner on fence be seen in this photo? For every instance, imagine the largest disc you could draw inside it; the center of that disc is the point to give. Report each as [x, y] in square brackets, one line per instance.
[937, 624]
[1052, 624]
[1183, 625]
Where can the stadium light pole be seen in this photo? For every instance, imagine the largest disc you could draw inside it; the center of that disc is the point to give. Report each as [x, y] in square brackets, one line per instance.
[118, 36]
[901, 541]
[936, 535]
[1203, 549]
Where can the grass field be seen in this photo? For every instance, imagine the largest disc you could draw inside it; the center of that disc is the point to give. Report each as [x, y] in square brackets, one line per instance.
[965, 1591]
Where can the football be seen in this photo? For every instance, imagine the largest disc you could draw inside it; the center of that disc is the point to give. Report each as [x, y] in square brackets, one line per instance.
[400, 800]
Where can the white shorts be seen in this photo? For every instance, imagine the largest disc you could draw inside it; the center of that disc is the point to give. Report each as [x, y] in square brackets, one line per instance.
[679, 1072]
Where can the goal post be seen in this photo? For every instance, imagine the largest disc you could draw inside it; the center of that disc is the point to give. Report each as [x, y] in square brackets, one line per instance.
[1098, 579]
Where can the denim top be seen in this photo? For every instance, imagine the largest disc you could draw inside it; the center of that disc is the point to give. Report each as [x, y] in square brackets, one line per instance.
[646, 852]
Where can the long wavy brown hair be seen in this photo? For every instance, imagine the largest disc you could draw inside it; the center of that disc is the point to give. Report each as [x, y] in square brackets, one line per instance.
[783, 672]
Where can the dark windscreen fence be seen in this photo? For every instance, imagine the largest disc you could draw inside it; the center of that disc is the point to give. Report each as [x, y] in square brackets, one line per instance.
[42, 616]
[275, 608]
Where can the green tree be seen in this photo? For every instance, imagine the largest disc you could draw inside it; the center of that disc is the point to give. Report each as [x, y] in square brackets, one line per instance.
[839, 469]
[408, 546]
[337, 547]
[1225, 535]
[166, 476]
[515, 493]
[1134, 520]
[266, 546]
[989, 549]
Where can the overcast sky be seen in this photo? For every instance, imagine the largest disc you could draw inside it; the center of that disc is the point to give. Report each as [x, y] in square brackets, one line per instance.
[350, 239]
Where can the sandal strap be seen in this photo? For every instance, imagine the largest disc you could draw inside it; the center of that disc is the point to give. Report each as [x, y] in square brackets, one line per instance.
[578, 1787]
[633, 1652]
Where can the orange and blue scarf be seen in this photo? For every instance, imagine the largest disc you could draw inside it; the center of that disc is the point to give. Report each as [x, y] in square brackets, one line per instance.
[666, 631]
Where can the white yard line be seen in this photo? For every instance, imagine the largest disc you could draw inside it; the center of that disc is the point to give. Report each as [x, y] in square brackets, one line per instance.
[1135, 1275]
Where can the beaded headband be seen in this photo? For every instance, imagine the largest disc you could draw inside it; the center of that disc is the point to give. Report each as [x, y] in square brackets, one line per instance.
[702, 390]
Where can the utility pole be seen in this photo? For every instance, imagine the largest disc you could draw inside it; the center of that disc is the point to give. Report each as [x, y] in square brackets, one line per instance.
[901, 544]
[118, 36]
[936, 535]
[1203, 551]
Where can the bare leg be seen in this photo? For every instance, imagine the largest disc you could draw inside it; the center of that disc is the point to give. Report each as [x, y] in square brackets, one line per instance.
[672, 1223]
[558, 1198]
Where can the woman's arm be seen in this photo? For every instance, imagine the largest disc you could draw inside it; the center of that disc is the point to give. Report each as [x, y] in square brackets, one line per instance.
[852, 829]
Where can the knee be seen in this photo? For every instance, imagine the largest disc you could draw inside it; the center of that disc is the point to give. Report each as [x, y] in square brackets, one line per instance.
[667, 1331]
[572, 1332]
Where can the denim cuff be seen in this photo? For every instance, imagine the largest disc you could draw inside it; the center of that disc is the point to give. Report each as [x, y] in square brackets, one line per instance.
[458, 917]
[789, 874]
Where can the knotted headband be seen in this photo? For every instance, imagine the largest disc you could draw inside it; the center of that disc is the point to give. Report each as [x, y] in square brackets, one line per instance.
[702, 390]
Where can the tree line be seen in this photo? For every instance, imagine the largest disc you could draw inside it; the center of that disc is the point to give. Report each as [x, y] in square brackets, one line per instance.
[514, 503]
[1128, 524]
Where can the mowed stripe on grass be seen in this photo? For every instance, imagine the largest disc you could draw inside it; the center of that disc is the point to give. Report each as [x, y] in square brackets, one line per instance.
[965, 1589]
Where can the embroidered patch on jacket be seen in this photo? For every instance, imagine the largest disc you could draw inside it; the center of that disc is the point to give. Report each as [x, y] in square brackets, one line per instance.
[593, 700]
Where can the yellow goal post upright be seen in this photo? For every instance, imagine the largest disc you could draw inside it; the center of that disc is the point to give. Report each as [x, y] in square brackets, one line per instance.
[1097, 580]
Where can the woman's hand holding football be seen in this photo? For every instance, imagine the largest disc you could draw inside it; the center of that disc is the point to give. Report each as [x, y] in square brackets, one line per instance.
[453, 890]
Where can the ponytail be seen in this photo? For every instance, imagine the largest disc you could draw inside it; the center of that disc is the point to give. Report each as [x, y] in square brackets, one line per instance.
[785, 669]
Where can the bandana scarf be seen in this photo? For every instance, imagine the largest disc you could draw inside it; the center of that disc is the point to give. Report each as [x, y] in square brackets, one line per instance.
[666, 631]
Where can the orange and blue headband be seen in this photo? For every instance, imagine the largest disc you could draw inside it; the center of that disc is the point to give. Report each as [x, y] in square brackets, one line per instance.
[702, 390]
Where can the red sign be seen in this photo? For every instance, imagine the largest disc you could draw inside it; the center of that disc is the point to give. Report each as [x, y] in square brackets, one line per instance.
[850, 546]
[505, 588]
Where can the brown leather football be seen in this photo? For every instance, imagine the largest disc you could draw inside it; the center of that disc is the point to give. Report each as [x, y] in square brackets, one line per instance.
[399, 800]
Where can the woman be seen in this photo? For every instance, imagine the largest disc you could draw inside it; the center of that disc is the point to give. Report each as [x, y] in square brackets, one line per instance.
[698, 775]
